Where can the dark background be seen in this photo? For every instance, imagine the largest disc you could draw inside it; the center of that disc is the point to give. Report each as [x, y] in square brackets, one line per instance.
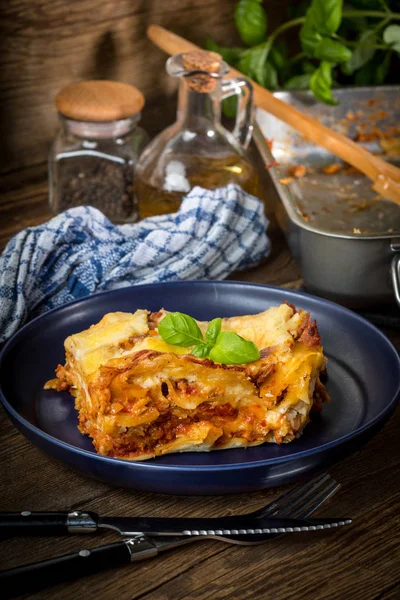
[47, 44]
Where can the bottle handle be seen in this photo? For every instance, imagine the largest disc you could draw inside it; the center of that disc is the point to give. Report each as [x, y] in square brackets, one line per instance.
[243, 89]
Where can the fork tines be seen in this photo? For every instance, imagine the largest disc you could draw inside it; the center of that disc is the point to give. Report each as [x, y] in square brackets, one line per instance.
[302, 500]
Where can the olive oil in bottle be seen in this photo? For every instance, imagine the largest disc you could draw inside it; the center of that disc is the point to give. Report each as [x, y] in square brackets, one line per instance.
[181, 177]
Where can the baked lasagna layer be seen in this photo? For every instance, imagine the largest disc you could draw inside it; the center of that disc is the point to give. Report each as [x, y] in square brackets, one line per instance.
[138, 397]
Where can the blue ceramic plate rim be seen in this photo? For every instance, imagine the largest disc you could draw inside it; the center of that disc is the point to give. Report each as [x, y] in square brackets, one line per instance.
[220, 467]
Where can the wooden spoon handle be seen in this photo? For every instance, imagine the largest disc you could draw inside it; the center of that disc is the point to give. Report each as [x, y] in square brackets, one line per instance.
[382, 173]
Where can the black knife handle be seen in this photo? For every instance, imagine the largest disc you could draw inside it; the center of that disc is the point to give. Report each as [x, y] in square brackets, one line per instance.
[47, 523]
[35, 576]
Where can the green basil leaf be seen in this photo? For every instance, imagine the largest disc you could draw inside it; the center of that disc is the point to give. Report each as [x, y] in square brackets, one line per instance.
[229, 106]
[232, 349]
[213, 330]
[382, 69]
[325, 16]
[309, 38]
[375, 71]
[253, 63]
[230, 55]
[391, 36]
[362, 53]
[269, 76]
[299, 82]
[354, 24]
[365, 75]
[332, 51]
[251, 21]
[244, 64]
[321, 83]
[258, 57]
[307, 67]
[180, 329]
[277, 58]
[201, 350]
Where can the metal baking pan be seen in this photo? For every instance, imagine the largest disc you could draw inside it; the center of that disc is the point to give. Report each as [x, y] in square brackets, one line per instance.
[345, 238]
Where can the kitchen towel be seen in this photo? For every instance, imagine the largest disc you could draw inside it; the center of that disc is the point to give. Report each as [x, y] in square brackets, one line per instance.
[80, 252]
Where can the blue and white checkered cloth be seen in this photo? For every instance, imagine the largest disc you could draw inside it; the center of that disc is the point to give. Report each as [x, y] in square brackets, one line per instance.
[80, 252]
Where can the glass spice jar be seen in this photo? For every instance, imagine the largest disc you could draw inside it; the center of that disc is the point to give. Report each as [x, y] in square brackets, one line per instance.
[197, 149]
[93, 157]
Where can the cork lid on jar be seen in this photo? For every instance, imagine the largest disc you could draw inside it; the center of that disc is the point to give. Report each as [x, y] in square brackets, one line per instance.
[99, 101]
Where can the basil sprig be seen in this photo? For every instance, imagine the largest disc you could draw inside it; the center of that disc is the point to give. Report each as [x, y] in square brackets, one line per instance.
[225, 347]
[251, 21]
[355, 42]
[231, 349]
[321, 83]
[180, 330]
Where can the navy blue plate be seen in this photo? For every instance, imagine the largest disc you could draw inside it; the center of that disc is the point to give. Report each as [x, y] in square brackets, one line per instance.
[363, 380]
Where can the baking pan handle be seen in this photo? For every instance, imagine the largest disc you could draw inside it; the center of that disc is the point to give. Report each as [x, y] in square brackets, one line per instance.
[395, 268]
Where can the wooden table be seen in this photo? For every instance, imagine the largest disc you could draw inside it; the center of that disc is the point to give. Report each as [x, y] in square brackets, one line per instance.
[361, 562]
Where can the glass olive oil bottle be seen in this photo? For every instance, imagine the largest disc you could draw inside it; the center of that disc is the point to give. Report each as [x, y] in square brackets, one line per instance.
[197, 150]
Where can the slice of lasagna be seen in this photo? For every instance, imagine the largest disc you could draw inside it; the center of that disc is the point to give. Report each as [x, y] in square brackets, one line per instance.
[139, 397]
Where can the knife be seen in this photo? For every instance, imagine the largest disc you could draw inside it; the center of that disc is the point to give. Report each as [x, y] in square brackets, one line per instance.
[34, 576]
[60, 523]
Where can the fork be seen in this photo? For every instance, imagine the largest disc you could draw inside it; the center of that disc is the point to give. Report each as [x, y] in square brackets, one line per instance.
[299, 502]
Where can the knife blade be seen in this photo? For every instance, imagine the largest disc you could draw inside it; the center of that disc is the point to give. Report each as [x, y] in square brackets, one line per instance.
[27, 523]
[128, 526]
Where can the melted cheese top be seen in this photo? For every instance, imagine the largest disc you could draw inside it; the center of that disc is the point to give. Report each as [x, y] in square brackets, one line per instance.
[158, 344]
[114, 336]
[101, 342]
[273, 327]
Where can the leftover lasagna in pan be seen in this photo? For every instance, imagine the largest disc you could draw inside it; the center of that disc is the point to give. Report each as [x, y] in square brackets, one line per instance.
[138, 396]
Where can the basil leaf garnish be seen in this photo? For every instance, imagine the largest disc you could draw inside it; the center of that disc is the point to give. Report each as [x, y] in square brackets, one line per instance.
[232, 349]
[201, 350]
[224, 347]
[213, 330]
[180, 330]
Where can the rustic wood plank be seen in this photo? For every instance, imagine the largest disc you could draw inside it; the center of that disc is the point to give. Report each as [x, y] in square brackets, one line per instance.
[88, 40]
[47, 45]
[393, 593]
[31, 465]
[23, 201]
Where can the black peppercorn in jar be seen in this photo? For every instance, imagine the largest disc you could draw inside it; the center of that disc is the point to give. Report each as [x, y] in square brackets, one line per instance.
[93, 157]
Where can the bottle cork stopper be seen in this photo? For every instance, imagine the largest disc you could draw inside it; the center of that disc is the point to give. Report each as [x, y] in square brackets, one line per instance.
[99, 101]
[202, 60]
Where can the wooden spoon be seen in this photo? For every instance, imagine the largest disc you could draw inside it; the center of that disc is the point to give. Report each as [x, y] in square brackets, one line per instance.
[385, 177]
